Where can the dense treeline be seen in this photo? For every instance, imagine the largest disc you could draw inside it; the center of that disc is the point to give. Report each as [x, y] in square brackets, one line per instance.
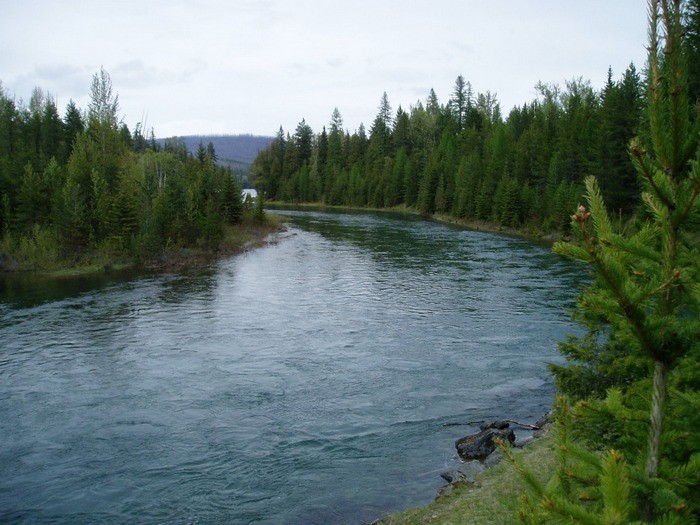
[84, 183]
[463, 158]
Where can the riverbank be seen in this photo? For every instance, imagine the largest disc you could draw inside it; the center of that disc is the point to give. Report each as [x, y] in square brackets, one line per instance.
[236, 239]
[530, 234]
[493, 495]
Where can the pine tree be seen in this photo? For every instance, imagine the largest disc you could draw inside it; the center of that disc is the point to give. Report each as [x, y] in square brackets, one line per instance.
[402, 131]
[201, 154]
[380, 133]
[646, 293]
[73, 124]
[211, 153]
[461, 102]
[303, 141]
[51, 131]
[619, 120]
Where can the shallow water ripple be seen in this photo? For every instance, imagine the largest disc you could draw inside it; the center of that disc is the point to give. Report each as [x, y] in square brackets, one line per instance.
[305, 382]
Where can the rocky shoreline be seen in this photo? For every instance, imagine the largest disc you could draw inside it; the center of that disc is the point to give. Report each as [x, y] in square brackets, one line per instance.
[480, 451]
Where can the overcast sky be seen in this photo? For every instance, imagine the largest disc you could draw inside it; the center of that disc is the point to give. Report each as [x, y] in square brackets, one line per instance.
[251, 66]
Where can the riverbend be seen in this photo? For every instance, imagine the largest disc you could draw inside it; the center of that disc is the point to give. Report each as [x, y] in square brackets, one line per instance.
[307, 381]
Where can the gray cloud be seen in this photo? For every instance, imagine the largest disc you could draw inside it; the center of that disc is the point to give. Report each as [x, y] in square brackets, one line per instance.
[251, 65]
[59, 80]
[137, 74]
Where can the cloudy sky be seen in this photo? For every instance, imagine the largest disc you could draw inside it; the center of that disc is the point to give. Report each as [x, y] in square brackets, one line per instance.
[251, 66]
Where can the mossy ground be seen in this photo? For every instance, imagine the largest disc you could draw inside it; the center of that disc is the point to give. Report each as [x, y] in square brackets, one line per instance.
[493, 500]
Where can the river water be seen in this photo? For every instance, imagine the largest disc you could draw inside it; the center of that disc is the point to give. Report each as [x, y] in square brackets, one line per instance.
[305, 382]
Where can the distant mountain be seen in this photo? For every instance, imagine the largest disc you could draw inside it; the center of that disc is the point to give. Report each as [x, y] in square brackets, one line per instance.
[234, 150]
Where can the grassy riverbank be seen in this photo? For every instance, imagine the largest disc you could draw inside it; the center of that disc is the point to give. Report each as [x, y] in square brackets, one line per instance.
[235, 239]
[495, 497]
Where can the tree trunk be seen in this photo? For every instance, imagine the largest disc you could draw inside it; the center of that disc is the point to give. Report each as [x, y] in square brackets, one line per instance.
[658, 401]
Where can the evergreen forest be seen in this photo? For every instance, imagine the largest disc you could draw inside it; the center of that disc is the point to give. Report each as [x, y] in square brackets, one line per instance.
[83, 188]
[466, 159]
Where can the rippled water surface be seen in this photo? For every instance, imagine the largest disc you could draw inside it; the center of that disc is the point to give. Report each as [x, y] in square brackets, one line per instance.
[305, 382]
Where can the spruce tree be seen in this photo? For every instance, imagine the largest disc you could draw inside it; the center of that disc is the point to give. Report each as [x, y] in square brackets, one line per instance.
[646, 282]
[73, 125]
[461, 102]
[646, 294]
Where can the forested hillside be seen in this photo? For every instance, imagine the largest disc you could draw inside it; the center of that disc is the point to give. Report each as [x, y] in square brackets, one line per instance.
[85, 183]
[465, 158]
[241, 149]
[236, 152]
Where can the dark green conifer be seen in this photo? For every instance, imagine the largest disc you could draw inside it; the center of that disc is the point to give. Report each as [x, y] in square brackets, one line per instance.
[646, 295]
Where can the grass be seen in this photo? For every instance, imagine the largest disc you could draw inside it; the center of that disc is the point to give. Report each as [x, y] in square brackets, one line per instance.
[494, 499]
[29, 256]
[249, 234]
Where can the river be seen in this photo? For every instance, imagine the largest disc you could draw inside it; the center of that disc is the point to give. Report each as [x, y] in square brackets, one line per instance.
[305, 382]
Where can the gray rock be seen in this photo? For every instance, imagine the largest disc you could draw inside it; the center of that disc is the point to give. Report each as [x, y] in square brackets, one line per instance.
[445, 491]
[479, 446]
[545, 419]
[493, 459]
[543, 424]
[464, 473]
[524, 441]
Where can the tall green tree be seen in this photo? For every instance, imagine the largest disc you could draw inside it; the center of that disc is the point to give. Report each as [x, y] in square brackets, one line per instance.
[461, 102]
[646, 293]
[103, 129]
[73, 124]
[619, 120]
[303, 142]
[380, 132]
[51, 131]
[335, 139]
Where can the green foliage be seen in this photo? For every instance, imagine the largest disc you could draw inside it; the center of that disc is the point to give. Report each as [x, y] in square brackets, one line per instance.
[636, 372]
[595, 363]
[601, 487]
[38, 250]
[84, 184]
[259, 210]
